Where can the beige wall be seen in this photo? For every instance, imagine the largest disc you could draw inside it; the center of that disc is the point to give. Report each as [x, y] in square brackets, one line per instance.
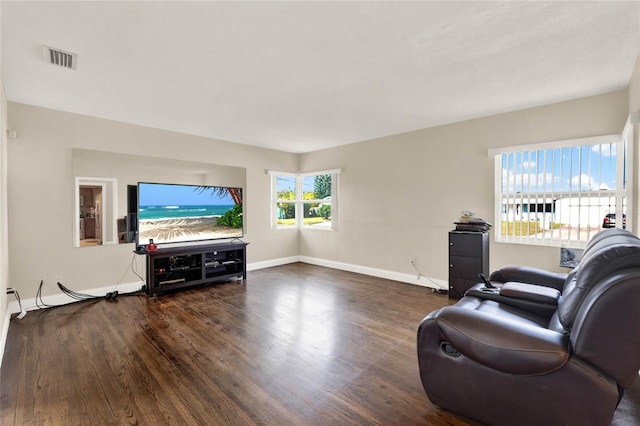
[634, 88]
[399, 195]
[41, 194]
[4, 243]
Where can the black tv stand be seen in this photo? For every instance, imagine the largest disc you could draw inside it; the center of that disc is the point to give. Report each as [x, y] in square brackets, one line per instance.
[175, 268]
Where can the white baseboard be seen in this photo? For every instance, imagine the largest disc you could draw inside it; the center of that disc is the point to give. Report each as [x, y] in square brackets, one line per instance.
[5, 332]
[273, 262]
[365, 270]
[56, 299]
[380, 273]
[63, 299]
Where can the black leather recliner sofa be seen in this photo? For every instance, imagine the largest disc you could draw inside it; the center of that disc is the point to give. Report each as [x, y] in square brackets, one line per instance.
[540, 348]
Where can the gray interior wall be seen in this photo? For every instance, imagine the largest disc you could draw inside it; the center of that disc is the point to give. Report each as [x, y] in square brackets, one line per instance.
[399, 195]
[41, 192]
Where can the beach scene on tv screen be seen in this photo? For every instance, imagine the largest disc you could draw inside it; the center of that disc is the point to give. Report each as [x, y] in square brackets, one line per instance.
[181, 213]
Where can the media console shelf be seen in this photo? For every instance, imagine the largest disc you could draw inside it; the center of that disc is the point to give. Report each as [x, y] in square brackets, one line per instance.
[181, 267]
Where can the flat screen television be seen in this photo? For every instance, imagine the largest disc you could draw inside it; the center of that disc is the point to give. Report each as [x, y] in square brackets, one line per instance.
[176, 213]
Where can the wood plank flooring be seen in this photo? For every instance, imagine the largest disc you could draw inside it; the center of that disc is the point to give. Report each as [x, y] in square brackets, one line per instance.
[291, 345]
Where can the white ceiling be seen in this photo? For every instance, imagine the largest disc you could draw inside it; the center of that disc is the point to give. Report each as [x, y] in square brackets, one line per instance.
[302, 76]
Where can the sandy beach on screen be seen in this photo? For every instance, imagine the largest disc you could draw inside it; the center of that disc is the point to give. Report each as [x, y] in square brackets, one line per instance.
[183, 229]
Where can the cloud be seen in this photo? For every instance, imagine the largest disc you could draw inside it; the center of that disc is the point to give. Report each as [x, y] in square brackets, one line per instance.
[532, 182]
[583, 182]
[527, 182]
[605, 149]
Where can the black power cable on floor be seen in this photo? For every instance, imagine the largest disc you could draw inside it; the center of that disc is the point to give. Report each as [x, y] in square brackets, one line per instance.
[75, 295]
[39, 302]
[109, 296]
[17, 295]
[80, 297]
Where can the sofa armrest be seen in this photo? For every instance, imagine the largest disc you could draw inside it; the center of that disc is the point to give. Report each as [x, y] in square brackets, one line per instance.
[537, 299]
[529, 275]
[532, 293]
[503, 345]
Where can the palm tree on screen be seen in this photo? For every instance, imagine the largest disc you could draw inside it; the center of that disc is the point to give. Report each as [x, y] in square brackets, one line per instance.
[233, 217]
[222, 191]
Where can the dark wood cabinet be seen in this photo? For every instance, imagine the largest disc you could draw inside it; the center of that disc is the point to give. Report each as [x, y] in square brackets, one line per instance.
[180, 267]
[468, 256]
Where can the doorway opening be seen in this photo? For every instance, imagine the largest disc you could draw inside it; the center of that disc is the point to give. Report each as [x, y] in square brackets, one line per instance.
[90, 215]
[95, 212]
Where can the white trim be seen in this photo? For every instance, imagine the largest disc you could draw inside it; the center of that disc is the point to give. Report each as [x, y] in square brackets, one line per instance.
[273, 197]
[422, 281]
[593, 140]
[620, 194]
[497, 194]
[380, 273]
[5, 332]
[319, 172]
[278, 173]
[322, 172]
[109, 199]
[299, 202]
[271, 263]
[628, 136]
[63, 299]
[335, 201]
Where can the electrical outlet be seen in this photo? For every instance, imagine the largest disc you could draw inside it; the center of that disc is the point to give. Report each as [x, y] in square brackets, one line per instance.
[412, 260]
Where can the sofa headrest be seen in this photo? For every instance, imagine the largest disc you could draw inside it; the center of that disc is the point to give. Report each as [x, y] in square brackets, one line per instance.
[617, 253]
[607, 237]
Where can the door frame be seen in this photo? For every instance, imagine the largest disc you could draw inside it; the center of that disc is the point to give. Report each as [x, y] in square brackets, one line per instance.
[108, 208]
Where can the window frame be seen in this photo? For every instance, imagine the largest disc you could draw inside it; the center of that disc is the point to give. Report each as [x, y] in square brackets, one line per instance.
[275, 200]
[334, 199]
[622, 193]
[300, 201]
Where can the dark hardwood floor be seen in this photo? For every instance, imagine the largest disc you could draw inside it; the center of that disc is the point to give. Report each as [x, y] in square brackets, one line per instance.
[296, 344]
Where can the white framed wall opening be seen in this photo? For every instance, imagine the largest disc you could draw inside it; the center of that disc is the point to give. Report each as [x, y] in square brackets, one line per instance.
[95, 212]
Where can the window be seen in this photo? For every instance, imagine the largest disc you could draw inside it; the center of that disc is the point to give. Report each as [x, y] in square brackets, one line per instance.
[286, 200]
[306, 200]
[316, 200]
[561, 193]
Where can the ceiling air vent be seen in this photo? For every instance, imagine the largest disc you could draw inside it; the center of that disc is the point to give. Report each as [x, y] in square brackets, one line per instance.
[60, 57]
